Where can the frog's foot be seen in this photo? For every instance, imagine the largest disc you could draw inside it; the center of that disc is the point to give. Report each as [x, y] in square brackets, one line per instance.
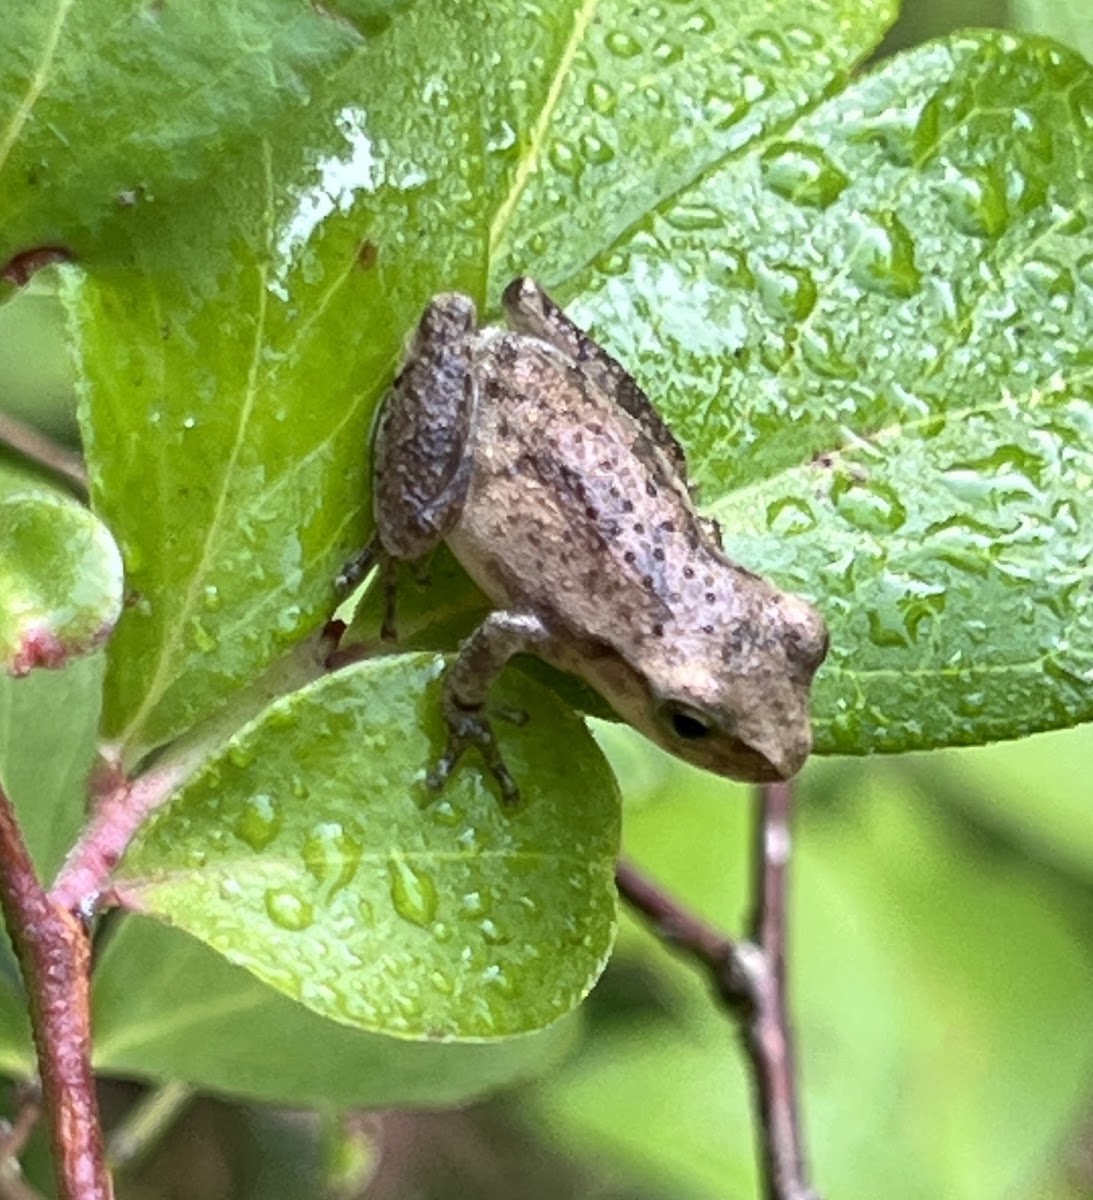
[469, 727]
[466, 687]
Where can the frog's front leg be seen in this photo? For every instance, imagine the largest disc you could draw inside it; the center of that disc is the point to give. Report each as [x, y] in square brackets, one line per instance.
[466, 686]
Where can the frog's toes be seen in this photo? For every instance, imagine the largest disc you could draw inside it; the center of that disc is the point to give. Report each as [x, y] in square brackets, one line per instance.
[470, 727]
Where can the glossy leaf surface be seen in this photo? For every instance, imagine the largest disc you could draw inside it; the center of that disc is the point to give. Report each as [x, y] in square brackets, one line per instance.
[872, 333]
[311, 852]
[167, 1007]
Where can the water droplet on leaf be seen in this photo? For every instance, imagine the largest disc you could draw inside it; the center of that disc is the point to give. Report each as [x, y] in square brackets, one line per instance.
[289, 910]
[259, 822]
[622, 44]
[884, 259]
[331, 855]
[803, 174]
[867, 504]
[976, 201]
[413, 892]
[787, 291]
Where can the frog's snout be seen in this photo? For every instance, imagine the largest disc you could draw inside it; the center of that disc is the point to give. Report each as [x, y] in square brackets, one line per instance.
[790, 756]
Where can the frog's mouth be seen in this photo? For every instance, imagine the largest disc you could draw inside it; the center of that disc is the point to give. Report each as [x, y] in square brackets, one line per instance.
[753, 766]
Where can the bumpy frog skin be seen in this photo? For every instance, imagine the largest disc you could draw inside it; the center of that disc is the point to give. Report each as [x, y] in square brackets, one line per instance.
[560, 490]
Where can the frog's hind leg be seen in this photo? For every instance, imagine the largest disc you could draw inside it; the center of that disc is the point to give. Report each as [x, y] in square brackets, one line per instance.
[531, 311]
[422, 465]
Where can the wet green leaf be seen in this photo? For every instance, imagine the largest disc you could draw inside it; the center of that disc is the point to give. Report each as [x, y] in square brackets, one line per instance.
[646, 100]
[872, 333]
[89, 143]
[167, 1008]
[60, 581]
[229, 372]
[310, 852]
[17, 1057]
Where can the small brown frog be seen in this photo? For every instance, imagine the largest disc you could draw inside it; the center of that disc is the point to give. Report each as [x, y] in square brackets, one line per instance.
[558, 487]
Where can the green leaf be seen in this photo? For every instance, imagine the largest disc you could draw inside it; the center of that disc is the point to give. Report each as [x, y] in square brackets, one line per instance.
[17, 1058]
[60, 581]
[310, 851]
[872, 332]
[89, 142]
[646, 100]
[35, 380]
[48, 727]
[167, 1008]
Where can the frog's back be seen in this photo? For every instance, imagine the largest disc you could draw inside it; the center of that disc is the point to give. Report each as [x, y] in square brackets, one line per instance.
[573, 511]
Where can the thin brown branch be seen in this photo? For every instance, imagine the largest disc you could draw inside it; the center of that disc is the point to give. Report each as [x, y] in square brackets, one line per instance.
[54, 953]
[15, 1134]
[768, 1033]
[13, 1139]
[34, 445]
[749, 979]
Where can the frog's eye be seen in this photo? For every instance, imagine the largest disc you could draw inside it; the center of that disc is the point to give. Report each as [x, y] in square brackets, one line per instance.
[685, 722]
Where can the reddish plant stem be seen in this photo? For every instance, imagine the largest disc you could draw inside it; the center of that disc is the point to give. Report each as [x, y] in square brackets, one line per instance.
[749, 979]
[121, 807]
[54, 951]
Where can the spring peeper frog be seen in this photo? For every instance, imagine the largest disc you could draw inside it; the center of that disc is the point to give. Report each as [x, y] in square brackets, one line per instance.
[558, 487]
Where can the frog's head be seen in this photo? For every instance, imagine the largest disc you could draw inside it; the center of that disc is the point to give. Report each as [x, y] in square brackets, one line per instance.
[740, 707]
